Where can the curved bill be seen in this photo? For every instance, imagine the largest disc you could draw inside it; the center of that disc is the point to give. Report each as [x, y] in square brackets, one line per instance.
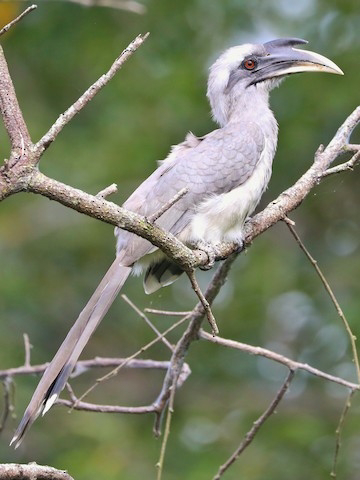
[282, 59]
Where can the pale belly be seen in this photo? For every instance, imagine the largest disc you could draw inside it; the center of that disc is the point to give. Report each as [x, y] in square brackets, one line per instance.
[221, 218]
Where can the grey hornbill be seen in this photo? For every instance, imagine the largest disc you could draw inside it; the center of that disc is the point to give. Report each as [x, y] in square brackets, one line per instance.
[225, 173]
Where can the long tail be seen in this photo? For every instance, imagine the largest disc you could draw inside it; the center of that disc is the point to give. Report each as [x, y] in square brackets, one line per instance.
[59, 370]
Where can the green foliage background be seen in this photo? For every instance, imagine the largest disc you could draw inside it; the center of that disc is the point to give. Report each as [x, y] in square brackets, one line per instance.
[52, 258]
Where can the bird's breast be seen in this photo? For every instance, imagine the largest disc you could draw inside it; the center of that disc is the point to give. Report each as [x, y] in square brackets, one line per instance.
[220, 218]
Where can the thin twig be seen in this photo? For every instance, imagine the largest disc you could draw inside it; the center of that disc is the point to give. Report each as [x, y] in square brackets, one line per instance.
[351, 147]
[276, 357]
[71, 392]
[27, 346]
[103, 362]
[191, 333]
[84, 365]
[204, 302]
[170, 412]
[152, 218]
[331, 295]
[88, 95]
[339, 432]
[77, 404]
[6, 383]
[107, 191]
[349, 165]
[17, 19]
[116, 370]
[249, 437]
[147, 321]
[166, 313]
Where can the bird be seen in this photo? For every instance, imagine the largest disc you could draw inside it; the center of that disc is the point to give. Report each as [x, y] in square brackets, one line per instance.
[224, 172]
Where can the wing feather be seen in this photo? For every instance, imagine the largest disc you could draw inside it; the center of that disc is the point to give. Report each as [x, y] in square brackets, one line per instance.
[215, 164]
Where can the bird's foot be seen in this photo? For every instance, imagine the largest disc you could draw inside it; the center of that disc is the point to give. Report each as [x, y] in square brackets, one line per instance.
[211, 250]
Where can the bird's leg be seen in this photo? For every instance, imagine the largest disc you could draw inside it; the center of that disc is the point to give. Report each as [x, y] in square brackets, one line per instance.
[213, 250]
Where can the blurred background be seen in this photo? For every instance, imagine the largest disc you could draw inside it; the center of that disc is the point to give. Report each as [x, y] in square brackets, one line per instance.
[52, 258]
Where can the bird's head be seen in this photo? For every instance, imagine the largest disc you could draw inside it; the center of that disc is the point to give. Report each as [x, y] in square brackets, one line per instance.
[251, 69]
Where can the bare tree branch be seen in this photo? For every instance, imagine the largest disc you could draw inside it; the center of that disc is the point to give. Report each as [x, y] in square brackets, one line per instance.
[107, 191]
[81, 367]
[191, 333]
[169, 416]
[11, 113]
[274, 212]
[31, 471]
[204, 302]
[27, 347]
[249, 437]
[30, 179]
[339, 429]
[111, 213]
[276, 357]
[293, 196]
[166, 313]
[8, 387]
[116, 370]
[84, 365]
[88, 95]
[17, 19]
[354, 160]
[92, 407]
[331, 294]
[147, 321]
[168, 205]
[34, 181]
[351, 147]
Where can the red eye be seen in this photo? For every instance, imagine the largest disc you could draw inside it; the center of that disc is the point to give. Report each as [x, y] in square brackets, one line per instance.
[249, 64]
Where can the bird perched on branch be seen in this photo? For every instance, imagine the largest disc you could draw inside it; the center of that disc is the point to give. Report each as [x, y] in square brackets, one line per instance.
[224, 173]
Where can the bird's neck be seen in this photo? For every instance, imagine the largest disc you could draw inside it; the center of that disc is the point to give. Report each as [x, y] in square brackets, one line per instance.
[251, 103]
[253, 106]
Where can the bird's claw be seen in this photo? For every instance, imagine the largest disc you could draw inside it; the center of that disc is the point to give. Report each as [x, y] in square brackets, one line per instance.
[211, 252]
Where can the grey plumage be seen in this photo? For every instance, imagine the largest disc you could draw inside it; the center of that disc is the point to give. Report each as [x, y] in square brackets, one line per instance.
[220, 162]
[223, 160]
[56, 375]
[225, 173]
